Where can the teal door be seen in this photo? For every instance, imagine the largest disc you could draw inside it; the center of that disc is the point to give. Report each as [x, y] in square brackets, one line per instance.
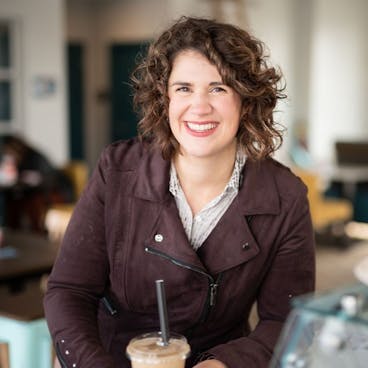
[75, 54]
[123, 61]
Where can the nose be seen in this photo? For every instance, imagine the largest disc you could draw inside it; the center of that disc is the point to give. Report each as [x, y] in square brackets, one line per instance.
[201, 104]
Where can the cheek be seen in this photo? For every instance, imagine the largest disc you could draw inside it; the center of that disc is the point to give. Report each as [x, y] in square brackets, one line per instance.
[173, 115]
[171, 107]
[229, 110]
[233, 109]
[176, 108]
[175, 128]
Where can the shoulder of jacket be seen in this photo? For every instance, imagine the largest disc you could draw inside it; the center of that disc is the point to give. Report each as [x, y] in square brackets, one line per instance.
[123, 155]
[288, 184]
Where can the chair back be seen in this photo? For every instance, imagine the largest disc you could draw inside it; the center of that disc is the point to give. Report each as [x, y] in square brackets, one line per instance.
[77, 172]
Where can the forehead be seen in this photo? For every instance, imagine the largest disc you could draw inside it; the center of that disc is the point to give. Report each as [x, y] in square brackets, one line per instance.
[193, 64]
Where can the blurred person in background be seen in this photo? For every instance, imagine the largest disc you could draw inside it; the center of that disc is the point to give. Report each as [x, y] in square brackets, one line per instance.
[196, 201]
[29, 185]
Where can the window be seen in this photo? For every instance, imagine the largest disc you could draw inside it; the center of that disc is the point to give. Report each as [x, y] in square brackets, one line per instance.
[9, 76]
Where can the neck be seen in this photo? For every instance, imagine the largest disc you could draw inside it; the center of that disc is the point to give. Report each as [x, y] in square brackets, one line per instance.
[202, 179]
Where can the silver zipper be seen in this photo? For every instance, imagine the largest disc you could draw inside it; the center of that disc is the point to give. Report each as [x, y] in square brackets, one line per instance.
[213, 284]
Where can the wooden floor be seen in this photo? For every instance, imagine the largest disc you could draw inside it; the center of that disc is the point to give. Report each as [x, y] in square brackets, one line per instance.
[335, 265]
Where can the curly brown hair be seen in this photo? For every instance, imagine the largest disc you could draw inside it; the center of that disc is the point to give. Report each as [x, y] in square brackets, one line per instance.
[242, 64]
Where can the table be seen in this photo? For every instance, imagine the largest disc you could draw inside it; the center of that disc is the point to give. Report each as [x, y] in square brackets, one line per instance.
[349, 176]
[34, 255]
[20, 274]
[349, 173]
[28, 256]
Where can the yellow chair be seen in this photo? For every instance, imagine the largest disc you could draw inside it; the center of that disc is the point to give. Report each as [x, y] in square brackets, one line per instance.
[58, 215]
[57, 219]
[77, 172]
[325, 212]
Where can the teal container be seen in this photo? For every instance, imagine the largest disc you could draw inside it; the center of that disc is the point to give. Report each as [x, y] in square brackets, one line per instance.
[29, 342]
[328, 330]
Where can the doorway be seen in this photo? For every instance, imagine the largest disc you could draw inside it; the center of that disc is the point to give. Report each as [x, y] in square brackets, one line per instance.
[124, 58]
[75, 52]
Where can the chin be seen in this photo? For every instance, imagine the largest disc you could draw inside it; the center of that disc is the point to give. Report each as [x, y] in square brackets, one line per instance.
[198, 154]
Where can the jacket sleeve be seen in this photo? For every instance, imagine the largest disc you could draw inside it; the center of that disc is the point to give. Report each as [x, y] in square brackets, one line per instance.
[291, 273]
[78, 280]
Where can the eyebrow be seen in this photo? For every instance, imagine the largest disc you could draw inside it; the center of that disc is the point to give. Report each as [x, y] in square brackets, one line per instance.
[187, 84]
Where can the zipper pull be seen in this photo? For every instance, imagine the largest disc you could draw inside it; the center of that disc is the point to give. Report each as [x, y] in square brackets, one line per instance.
[109, 306]
[213, 293]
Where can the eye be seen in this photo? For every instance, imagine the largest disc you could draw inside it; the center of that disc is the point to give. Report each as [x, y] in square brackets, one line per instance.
[182, 89]
[218, 89]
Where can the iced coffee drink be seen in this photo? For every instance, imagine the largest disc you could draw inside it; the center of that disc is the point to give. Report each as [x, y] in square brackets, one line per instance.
[148, 350]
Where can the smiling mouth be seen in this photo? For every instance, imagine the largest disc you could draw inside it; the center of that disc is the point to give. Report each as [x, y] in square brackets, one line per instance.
[202, 127]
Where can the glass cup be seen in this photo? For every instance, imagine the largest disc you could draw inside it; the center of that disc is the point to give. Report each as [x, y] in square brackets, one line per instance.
[148, 350]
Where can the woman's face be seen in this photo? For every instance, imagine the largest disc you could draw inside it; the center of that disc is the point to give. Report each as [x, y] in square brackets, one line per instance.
[204, 113]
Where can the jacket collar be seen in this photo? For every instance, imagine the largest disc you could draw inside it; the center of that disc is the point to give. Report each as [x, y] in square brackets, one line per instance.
[152, 177]
[258, 193]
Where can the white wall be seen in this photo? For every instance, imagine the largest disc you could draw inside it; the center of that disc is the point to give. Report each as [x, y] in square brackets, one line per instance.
[339, 75]
[273, 23]
[43, 120]
[322, 48]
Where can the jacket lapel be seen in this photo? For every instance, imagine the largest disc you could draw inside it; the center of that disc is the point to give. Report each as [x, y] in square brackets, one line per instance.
[231, 242]
[169, 237]
[258, 195]
[152, 179]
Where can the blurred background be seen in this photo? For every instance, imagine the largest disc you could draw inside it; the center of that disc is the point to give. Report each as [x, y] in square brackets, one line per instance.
[64, 88]
[64, 65]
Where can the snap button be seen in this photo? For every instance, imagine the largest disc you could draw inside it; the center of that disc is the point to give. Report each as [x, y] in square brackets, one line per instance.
[67, 352]
[245, 245]
[74, 365]
[159, 238]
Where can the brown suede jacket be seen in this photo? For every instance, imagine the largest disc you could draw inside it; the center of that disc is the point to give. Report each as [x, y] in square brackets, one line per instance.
[101, 291]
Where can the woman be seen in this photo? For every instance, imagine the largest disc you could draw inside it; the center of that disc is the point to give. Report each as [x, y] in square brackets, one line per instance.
[198, 202]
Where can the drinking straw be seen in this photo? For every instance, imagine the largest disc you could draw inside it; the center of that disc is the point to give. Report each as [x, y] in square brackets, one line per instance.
[162, 311]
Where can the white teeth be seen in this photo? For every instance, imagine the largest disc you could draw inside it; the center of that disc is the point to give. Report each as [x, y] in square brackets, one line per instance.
[201, 127]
